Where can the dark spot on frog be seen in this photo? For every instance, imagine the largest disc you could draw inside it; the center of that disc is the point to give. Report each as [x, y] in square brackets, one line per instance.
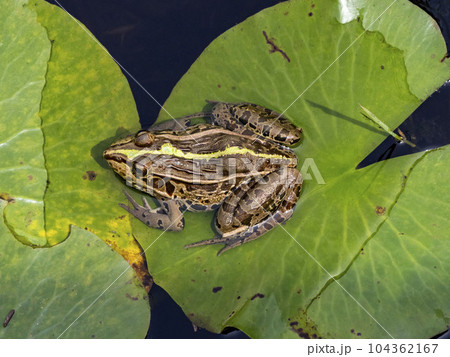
[134, 298]
[89, 244]
[293, 323]
[191, 314]
[232, 313]
[238, 297]
[378, 282]
[92, 336]
[310, 14]
[299, 291]
[352, 331]
[435, 267]
[216, 289]
[362, 250]
[204, 270]
[358, 334]
[257, 295]
[401, 233]
[314, 335]
[380, 210]
[193, 280]
[382, 67]
[233, 88]
[218, 86]
[287, 12]
[30, 177]
[312, 6]
[21, 162]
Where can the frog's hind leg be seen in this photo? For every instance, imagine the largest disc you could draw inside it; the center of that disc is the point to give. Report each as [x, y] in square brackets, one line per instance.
[172, 124]
[255, 208]
[168, 216]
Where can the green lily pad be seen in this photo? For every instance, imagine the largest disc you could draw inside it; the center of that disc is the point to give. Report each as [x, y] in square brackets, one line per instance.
[24, 49]
[58, 89]
[64, 291]
[61, 179]
[401, 276]
[317, 61]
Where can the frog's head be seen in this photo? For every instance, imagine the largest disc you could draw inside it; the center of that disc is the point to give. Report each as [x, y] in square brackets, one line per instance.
[127, 149]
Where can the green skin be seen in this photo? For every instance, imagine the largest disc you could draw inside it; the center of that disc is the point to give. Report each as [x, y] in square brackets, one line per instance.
[254, 186]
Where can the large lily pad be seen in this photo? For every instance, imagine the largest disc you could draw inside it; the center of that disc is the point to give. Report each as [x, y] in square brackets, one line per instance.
[60, 179]
[64, 291]
[319, 61]
[401, 276]
[58, 88]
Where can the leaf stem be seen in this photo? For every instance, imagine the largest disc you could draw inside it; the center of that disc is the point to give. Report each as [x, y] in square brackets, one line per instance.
[369, 115]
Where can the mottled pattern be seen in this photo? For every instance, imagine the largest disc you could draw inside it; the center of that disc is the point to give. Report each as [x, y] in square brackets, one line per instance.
[253, 189]
[250, 119]
[255, 208]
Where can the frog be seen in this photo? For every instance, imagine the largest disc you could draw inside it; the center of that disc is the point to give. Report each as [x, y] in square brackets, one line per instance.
[239, 163]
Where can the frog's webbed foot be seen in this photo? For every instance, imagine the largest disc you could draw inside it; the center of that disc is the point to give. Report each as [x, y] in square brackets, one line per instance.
[168, 216]
[246, 235]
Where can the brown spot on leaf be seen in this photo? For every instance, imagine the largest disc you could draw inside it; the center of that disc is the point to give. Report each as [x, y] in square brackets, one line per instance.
[274, 48]
[380, 210]
[6, 197]
[257, 295]
[91, 175]
[299, 331]
[216, 289]
[134, 298]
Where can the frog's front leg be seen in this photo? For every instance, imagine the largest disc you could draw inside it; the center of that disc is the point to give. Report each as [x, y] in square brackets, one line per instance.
[255, 208]
[168, 216]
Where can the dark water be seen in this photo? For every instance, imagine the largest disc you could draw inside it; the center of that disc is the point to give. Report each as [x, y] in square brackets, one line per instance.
[157, 41]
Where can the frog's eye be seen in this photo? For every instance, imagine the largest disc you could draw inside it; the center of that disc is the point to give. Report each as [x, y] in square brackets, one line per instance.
[144, 138]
